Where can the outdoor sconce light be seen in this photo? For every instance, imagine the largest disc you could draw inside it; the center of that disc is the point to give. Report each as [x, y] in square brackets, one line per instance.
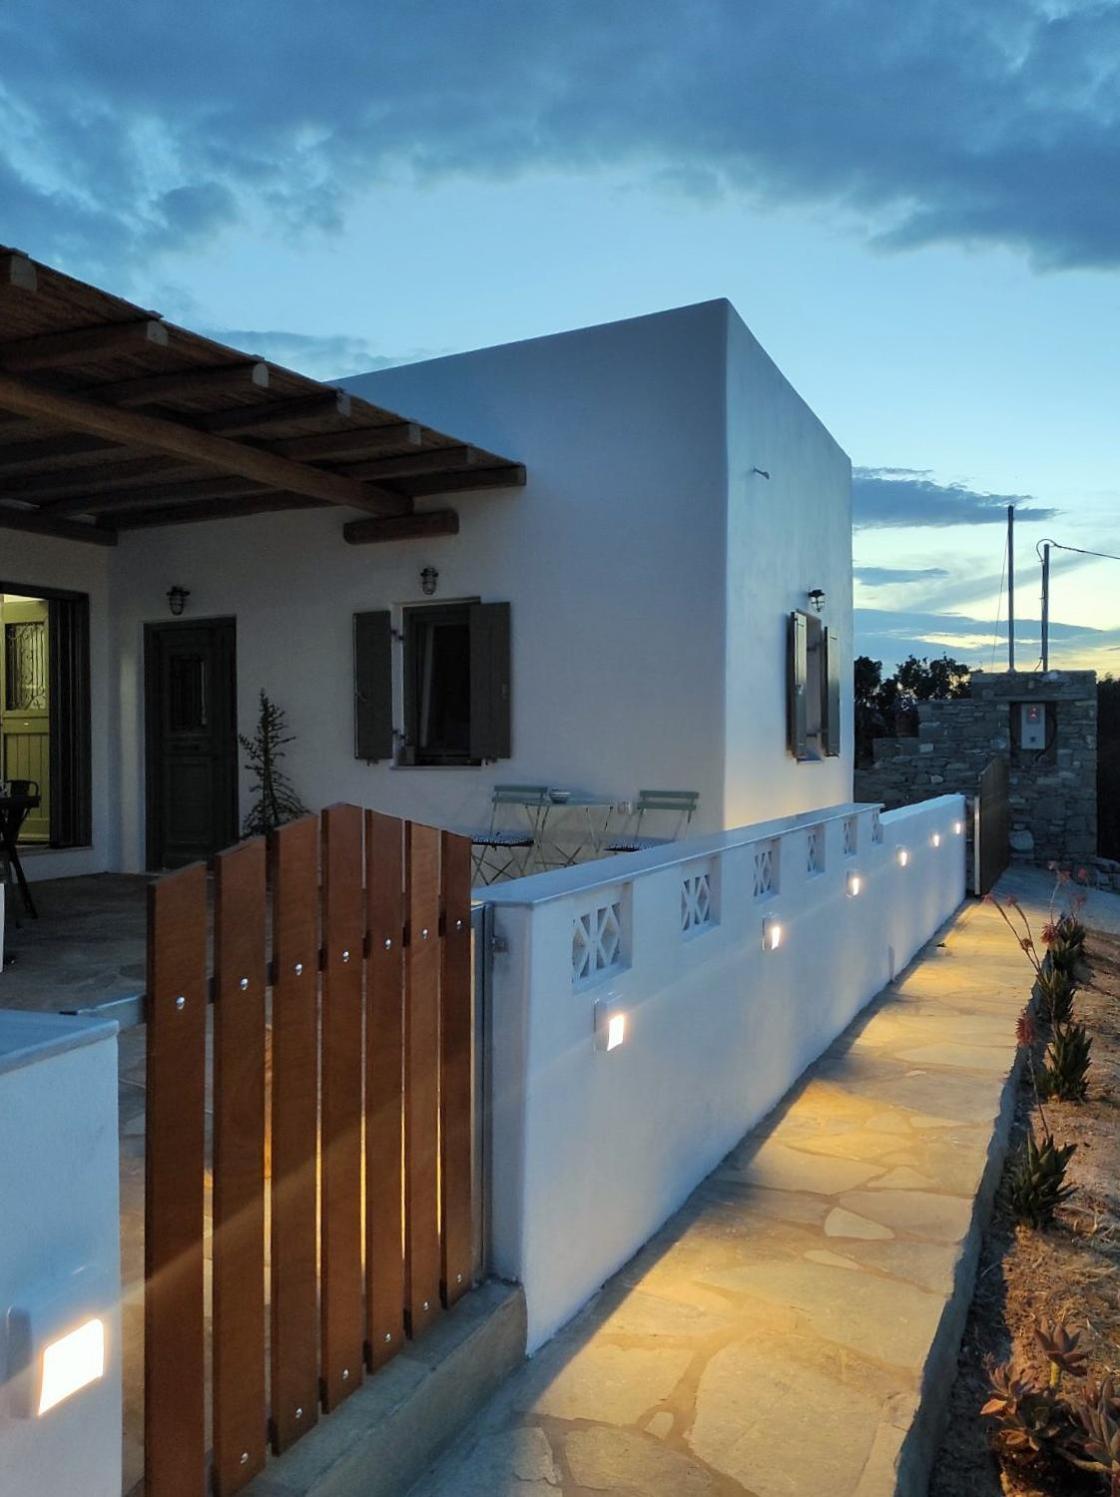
[936, 839]
[772, 933]
[855, 883]
[610, 1024]
[816, 597]
[54, 1350]
[429, 581]
[903, 856]
[177, 599]
[958, 828]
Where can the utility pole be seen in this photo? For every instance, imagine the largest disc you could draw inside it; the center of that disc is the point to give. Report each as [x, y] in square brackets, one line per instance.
[1046, 605]
[1010, 587]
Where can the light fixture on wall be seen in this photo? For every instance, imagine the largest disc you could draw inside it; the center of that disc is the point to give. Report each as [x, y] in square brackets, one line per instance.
[772, 933]
[936, 839]
[816, 598]
[855, 883]
[429, 581]
[903, 856]
[958, 828]
[610, 1024]
[57, 1344]
[177, 599]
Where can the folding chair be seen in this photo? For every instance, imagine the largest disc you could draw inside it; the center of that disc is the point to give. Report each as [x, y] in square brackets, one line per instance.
[504, 851]
[677, 803]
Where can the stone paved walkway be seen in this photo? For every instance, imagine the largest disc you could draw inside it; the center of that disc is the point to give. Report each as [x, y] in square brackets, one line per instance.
[793, 1331]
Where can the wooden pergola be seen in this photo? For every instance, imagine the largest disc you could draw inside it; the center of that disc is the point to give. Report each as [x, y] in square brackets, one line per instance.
[112, 419]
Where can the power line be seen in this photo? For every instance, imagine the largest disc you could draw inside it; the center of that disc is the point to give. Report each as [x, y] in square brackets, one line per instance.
[1046, 541]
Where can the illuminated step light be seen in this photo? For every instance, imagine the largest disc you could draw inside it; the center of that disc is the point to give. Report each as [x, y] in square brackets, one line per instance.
[903, 856]
[610, 1025]
[936, 839]
[72, 1363]
[855, 883]
[772, 933]
[57, 1344]
[958, 828]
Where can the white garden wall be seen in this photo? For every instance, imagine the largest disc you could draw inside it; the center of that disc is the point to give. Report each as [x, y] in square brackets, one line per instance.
[593, 1150]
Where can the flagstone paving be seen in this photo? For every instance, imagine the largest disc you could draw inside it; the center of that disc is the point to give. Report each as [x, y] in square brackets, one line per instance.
[793, 1330]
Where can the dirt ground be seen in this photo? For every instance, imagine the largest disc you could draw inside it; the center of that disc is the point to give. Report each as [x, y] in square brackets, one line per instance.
[1070, 1272]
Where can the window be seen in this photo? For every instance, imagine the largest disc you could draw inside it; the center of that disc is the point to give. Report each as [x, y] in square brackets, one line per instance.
[813, 675]
[453, 668]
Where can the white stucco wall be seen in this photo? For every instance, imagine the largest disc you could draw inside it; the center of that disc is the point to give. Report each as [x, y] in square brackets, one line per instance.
[29, 562]
[594, 1150]
[58, 1182]
[785, 534]
[648, 607]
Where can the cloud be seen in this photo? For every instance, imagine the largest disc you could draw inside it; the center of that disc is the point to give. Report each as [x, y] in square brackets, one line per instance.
[325, 356]
[909, 496]
[125, 126]
[890, 635]
[892, 576]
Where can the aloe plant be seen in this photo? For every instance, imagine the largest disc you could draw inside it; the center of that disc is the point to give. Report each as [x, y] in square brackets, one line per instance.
[1036, 1183]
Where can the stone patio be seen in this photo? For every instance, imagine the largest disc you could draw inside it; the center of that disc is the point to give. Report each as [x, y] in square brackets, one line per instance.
[793, 1330]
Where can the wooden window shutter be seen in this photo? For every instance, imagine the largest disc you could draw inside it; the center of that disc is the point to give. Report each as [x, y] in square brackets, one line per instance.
[490, 681]
[797, 674]
[373, 686]
[830, 692]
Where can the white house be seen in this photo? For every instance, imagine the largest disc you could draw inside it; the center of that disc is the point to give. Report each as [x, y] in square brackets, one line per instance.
[680, 544]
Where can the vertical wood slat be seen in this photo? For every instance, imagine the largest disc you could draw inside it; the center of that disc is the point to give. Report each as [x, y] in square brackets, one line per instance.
[384, 1088]
[174, 1377]
[239, 1102]
[422, 974]
[456, 1069]
[294, 861]
[341, 1198]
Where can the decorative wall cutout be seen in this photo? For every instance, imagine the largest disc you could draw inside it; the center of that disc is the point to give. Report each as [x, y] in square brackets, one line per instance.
[876, 827]
[765, 869]
[814, 860]
[851, 836]
[696, 901]
[597, 941]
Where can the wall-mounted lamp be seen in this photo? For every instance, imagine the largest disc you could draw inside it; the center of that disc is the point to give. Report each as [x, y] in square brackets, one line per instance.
[816, 598]
[610, 1024]
[177, 599]
[936, 839]
[56, 1346]
[855, 883]
[429, 581]
[958, 828]
[772, 933]
[903, 856]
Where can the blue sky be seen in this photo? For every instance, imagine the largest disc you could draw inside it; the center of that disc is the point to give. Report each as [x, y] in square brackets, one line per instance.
[913, 207]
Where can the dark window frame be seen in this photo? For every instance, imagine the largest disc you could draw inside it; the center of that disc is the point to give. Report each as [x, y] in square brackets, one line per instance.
[416, 623]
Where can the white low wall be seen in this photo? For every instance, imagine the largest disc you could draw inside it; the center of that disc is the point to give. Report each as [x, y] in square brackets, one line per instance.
[591, 1149]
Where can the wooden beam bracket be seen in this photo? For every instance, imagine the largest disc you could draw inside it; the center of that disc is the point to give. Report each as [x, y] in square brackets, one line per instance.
[402, 528]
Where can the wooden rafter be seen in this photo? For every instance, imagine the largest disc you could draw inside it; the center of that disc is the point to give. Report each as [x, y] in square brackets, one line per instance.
[150, 389]
[42, 452]
[472, 478]
[275, 412]
[365, 439]
[18, 271]
[154, 495]
[206, 509]
[67, 483]
[405, 528]
[37, 524]
[408, 464]
[157, 434]
[105, 339]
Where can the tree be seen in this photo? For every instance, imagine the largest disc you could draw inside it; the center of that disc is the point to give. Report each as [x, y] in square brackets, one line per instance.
[275, 800]
[887, 707]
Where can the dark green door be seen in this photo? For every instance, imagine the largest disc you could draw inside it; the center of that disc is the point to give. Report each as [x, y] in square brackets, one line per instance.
[191, 713]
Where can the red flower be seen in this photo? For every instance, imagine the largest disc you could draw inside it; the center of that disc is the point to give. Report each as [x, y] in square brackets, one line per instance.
[1025, 1032]
[1026, 943]
[1050, 933]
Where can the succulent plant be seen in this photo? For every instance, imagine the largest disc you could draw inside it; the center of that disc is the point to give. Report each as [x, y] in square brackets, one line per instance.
[1036, 1181]
[1098, 1412]
[1056, 992]
[1066, 1072]
[1064, 956]
[1026, 1413]
[1063, 1350]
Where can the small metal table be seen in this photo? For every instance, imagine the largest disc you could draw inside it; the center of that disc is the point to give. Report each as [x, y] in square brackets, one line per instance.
[594, 823]
[13, 813]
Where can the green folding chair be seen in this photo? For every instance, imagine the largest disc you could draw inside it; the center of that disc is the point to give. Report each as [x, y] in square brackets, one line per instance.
[677, 805]
[502, 851]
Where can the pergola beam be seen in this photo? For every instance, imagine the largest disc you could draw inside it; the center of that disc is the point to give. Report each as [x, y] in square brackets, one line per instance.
[208, 509]
[411, 464]
[152, 495]
[18, 271]
[405, 528]
[43, 452]
[74, 484]
[248, 418]
[65, 530]
[150, 389]
[364, 439]
[106, 339]
[157, 434]
[510, 477]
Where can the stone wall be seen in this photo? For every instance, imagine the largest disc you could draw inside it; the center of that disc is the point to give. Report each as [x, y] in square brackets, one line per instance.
[1053, 792]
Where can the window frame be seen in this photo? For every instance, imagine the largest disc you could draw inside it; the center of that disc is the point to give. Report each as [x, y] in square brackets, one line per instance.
[415, 617]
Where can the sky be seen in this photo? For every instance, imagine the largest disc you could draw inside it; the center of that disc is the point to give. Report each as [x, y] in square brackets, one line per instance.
[915, 208]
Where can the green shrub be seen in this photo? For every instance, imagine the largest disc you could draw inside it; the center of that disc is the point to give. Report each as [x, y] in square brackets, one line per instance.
[1036, 1181]
[1055, 990]
[1065, 1073]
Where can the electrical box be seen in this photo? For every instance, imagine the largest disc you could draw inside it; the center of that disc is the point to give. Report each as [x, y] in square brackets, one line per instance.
[1032, 725]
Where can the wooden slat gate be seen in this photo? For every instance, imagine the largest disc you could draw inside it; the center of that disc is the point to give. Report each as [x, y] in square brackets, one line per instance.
[340, 1081]
[991, 827]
